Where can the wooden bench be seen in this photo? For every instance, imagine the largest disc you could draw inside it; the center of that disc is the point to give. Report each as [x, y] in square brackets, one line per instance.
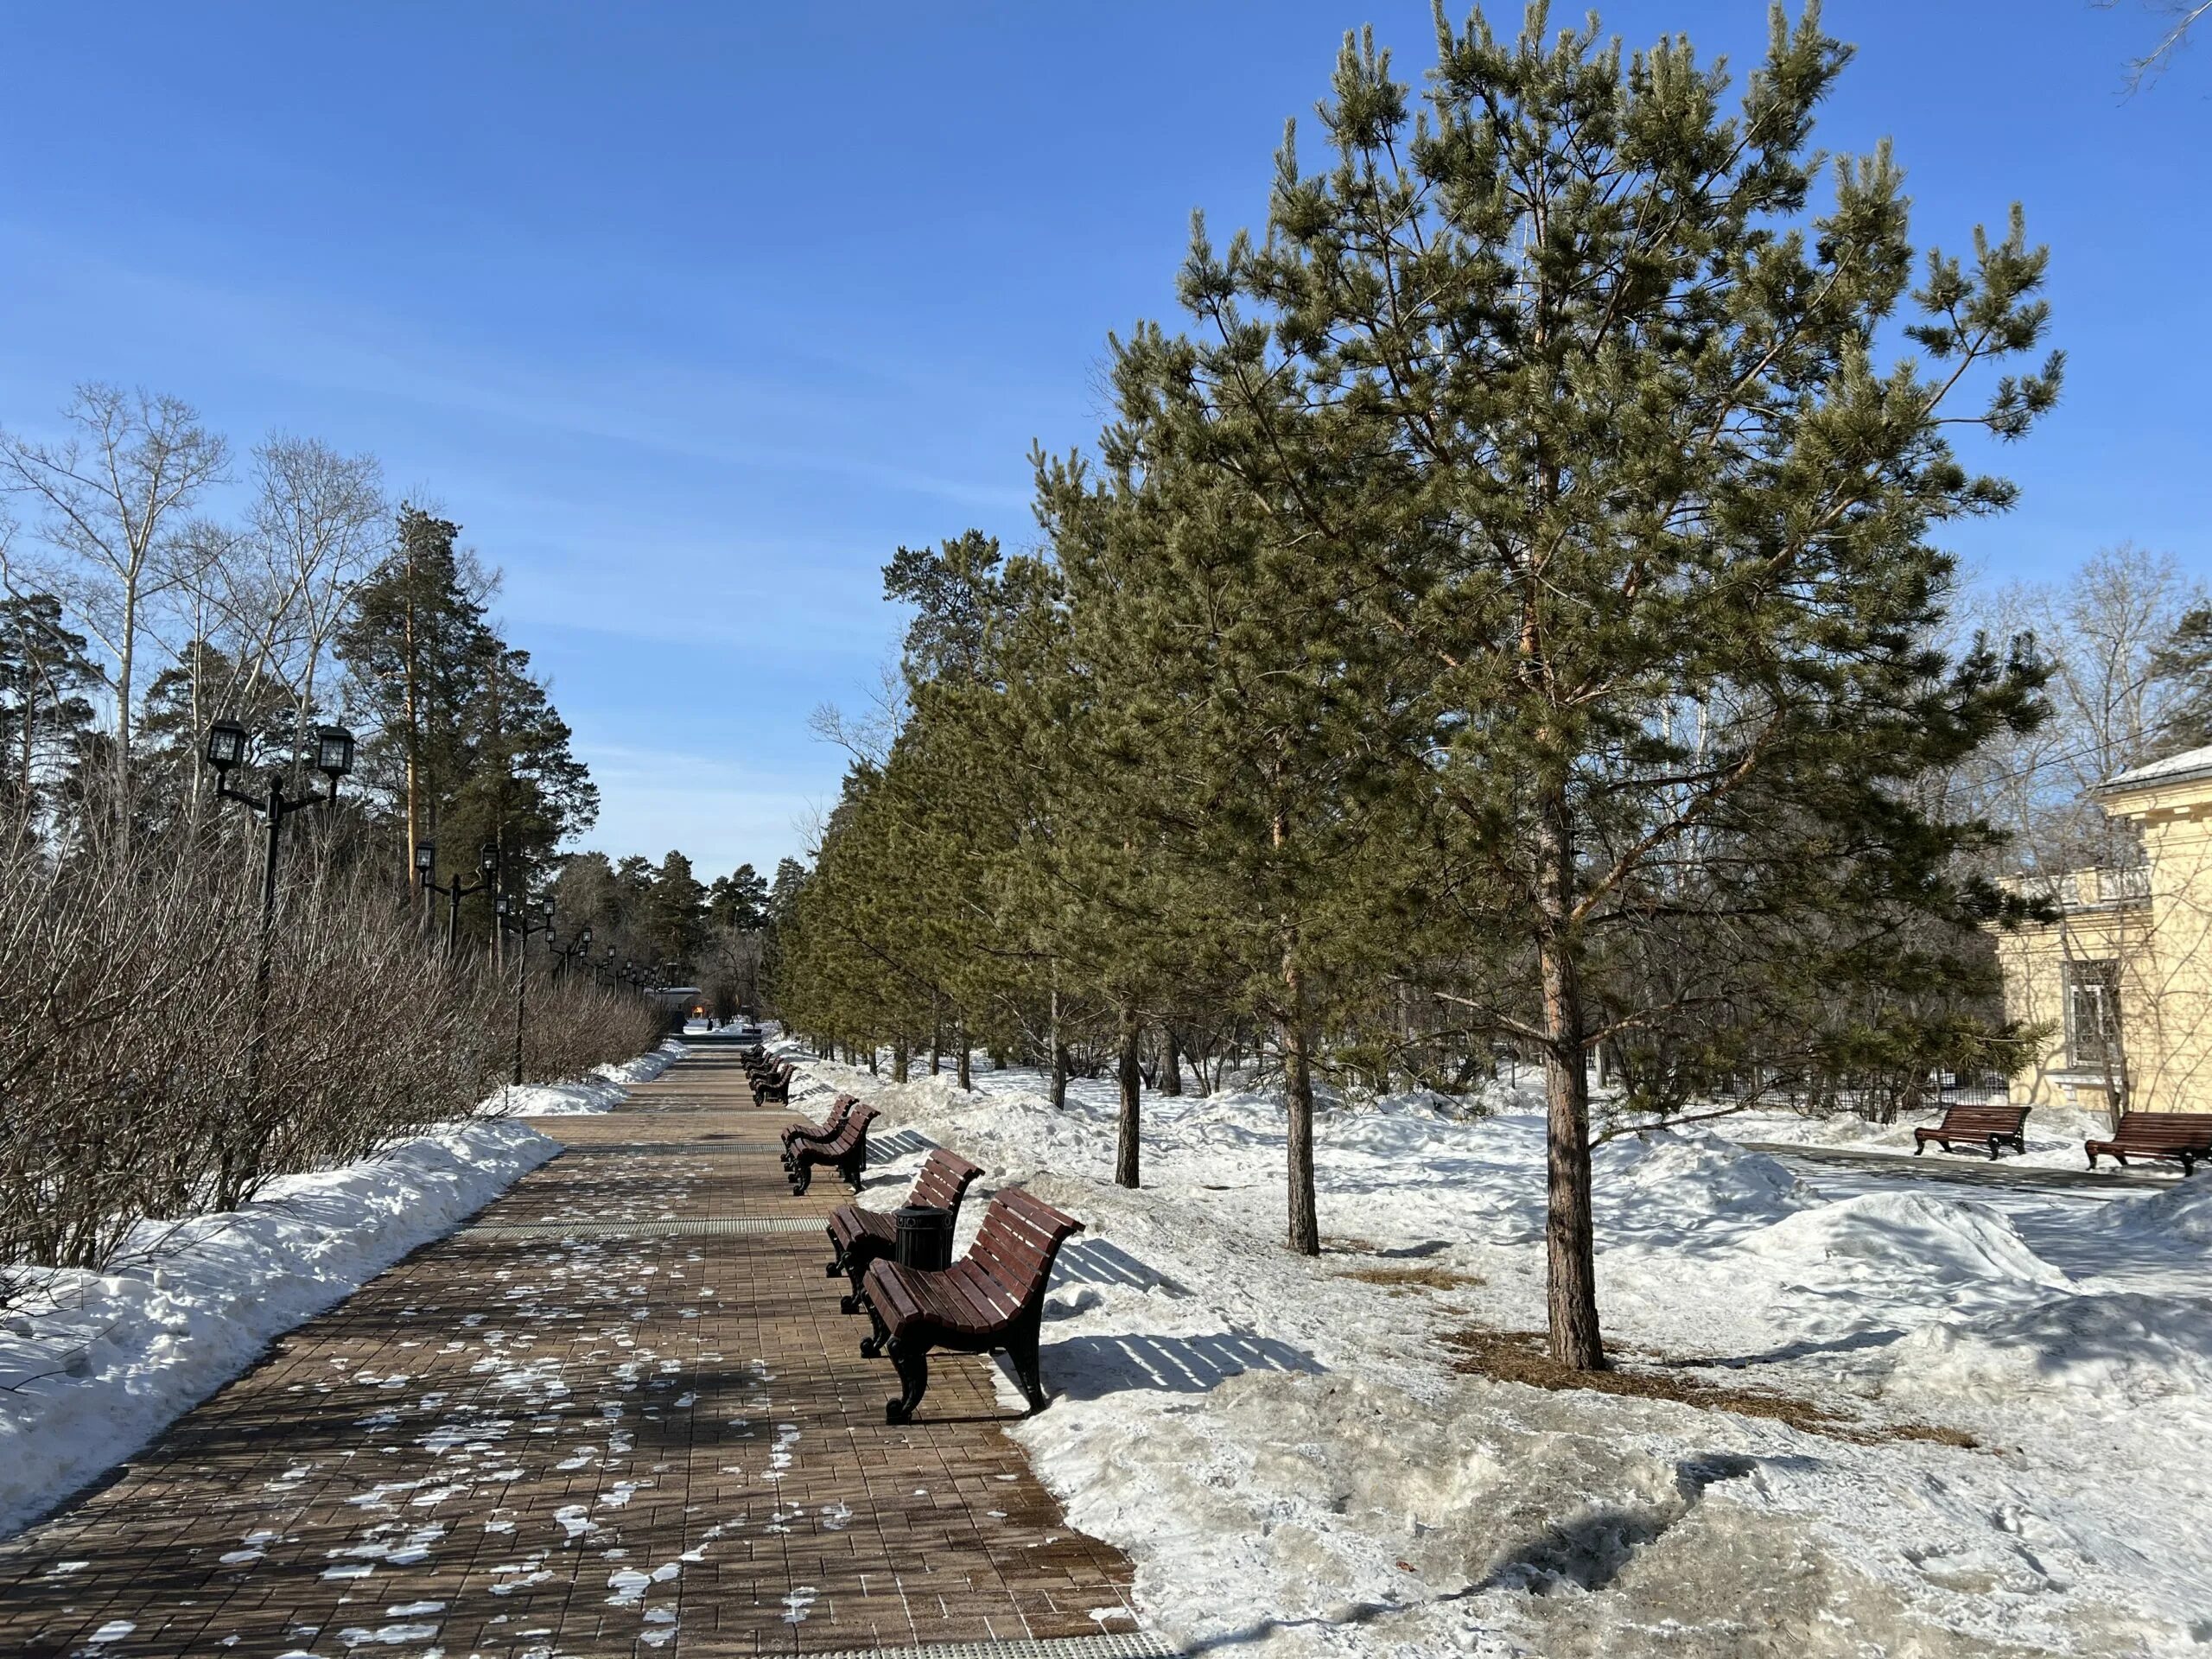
[774, 1087]
[846, 1151]
[990, 1301]
[1994, 1127]
[796, 1133]
[859, 1237]
[2184, 1137]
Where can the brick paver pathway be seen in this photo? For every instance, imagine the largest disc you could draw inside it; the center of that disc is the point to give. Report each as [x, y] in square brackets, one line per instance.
[520, 1443]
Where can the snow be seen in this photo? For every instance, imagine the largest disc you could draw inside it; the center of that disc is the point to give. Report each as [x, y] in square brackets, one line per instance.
[1286, 1449]
[93, 1366]
[2187, 763]
[601, 1092]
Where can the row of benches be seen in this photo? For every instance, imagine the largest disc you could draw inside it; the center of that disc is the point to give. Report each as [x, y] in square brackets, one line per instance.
[2179, 1137]
[992, 1300]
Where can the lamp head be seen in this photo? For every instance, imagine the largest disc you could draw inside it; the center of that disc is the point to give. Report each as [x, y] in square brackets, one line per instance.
[426, 858]
[488, 859]
[333, 752]
[226, 745]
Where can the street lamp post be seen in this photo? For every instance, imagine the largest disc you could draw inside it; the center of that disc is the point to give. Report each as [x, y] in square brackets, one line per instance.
[426, 861]
[580, 946]
[514, 917]
[334, 759]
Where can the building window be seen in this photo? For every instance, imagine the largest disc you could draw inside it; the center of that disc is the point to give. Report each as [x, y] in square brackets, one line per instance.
[2093, 1041]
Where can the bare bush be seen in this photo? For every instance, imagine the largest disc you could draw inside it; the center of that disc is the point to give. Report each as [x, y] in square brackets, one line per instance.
[134, 1083]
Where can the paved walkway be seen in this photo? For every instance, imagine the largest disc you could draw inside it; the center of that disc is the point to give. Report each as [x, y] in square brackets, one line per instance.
[1975, 1170]
[620, 1414]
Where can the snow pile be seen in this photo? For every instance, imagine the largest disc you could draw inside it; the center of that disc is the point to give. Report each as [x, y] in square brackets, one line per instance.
[101, 1364]
[601, 1092]
[1908, 1237]
[1687, 1180]
[2181, 1219]
[2096, 1353]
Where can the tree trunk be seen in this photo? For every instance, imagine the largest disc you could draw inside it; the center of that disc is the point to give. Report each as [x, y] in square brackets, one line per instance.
[1059, 1077]
[1298, 1103]
[414, 738]
[125, 663]
[1170, 1062]
[1298, 1099]
[899, 1060]
[1570, 1252]
[960, 1059]
[1125, 1150]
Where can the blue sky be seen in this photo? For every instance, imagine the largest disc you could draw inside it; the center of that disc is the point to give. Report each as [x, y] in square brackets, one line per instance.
[691, 313]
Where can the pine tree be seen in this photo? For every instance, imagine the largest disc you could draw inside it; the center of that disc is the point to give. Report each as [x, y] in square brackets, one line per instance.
[676, 912]
[739, 900]
[1568, 395]
[46, 713]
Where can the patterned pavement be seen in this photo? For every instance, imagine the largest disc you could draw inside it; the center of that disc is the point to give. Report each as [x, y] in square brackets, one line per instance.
[546, 1437]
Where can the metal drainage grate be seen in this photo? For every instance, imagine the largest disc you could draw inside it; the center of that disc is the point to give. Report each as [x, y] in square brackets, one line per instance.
[1112, 1645]
[667, 1148]
[712, 1224]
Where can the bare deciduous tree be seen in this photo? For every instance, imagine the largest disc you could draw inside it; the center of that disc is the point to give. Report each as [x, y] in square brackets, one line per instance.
[2099, 631]
[2185, 15]
[107, 492]
[316, 517]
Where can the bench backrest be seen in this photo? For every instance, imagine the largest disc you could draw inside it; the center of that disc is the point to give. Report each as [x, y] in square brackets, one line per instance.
[1019, 1238]
[943, 1181]
[2175, 1129]
[1982, 1119]
[851, 1132]
[839, 1109]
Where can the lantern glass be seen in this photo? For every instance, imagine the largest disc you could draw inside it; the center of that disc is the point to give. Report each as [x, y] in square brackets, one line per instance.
[426, 857]
[334, 752]
[226, 745]
[500, 905]
[487, 858]
[587, 938]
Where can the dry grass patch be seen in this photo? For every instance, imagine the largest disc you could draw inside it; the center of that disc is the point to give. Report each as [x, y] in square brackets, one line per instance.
[1421, 1276]
[1522, 1356]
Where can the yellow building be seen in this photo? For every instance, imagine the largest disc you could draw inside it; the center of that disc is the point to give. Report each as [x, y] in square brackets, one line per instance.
[2124, 977]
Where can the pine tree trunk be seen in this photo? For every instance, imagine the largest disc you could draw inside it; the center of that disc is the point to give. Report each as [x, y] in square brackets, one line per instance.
[1125, 1151]
[1298, 1101]
[1570, 1252]
[960, 1059]
[1170, 1062]
[1059, 1077]
[898, 1061]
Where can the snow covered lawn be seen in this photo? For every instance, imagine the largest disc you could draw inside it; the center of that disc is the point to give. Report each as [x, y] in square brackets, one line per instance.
[1293, 1454]
[93, 1366]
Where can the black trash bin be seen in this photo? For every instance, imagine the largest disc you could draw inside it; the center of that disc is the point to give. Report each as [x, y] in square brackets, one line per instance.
[924, 1239]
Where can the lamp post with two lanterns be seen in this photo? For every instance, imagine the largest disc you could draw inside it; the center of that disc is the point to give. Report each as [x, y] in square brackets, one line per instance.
[579, 946]
[334, 759]
[459, 888]
[513, 914]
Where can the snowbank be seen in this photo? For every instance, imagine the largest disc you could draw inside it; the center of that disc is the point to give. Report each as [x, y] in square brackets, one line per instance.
[1911, 1236]
[2093, 1354]
[2180, 1219]
[112, 1360]
[602, 1092]
[1286, 1448]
